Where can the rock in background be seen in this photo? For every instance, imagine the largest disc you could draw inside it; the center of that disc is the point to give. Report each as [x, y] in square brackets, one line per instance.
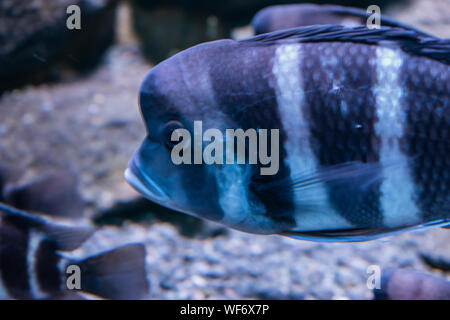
[166, 27]
[166, 30]
[36, 45]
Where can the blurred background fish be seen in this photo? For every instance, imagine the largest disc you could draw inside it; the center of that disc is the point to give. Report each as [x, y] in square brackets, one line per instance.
[54, 193]
[32, 265]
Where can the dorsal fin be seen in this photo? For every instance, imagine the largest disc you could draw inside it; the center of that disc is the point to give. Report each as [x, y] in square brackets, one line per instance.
[384, 20]
[408, 40]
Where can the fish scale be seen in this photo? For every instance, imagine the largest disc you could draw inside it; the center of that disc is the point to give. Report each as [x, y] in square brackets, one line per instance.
[349, 133]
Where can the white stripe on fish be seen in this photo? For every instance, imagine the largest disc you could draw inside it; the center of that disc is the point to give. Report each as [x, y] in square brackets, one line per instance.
[232, 187]
[397, 189]
[299, 155]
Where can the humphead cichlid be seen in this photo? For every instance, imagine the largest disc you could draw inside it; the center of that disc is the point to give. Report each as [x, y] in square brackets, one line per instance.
[279, 17]
[32, 265]
[363, 118]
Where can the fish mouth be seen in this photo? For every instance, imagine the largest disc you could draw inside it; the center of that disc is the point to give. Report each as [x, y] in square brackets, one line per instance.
[143, 184]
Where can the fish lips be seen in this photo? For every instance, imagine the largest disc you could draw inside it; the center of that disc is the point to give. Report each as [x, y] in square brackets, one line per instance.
[137, 178]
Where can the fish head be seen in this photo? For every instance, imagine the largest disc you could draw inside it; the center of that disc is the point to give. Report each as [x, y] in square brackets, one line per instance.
[166, 108]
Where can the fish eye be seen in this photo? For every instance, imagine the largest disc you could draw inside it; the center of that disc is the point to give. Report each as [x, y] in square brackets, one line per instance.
[167, 130]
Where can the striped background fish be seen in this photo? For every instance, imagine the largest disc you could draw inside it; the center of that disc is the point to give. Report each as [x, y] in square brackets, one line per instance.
[32, 265]
[364, 122]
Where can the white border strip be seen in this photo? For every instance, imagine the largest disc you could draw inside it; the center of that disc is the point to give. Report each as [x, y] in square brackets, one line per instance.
[397, 189]
[299, 155]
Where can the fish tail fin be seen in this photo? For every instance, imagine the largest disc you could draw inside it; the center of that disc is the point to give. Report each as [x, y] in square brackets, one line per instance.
[66, 237]
[115, 274]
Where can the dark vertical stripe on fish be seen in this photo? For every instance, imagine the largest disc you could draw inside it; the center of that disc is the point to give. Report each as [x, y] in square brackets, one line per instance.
[245, 92]
[427, 134]
[340, 107]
